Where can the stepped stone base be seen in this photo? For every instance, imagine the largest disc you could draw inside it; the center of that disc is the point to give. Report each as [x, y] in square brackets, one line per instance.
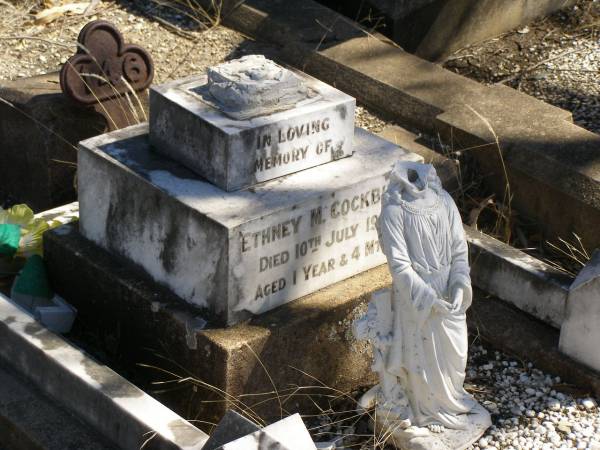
[235, 253]
[127, 318]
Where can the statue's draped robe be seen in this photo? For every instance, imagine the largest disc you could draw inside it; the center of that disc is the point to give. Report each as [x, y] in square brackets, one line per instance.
[427, 254]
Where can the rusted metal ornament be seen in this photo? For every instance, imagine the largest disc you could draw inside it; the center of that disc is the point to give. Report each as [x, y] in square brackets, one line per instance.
[105, 73]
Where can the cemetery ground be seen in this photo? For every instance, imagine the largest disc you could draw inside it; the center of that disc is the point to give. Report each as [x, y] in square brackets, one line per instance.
[555, 59]
[531, 409]
[183, 44]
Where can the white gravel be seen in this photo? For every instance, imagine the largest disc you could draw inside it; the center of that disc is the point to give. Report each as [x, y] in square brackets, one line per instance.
[530, 410]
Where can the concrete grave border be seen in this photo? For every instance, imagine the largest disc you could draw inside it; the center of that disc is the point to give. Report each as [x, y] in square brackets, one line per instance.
[520, 279]
[553, 165]
[117, 409]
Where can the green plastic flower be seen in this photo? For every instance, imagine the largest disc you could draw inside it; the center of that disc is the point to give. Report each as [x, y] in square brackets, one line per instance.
[20, 232]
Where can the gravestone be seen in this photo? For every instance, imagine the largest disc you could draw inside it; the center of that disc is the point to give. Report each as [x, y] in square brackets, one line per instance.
[250, 120]
[246, 251]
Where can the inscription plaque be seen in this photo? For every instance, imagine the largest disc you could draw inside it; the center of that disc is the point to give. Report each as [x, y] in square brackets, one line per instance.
[298, 253]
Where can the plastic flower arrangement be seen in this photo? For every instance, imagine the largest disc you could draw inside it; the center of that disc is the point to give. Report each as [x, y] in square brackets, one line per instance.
[20, 232]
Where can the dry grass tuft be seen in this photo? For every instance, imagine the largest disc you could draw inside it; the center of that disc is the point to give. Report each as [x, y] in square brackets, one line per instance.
[331, 408]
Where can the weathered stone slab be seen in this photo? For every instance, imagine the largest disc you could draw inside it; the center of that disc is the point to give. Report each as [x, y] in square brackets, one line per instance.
[186, 125]
[580, 332]
[231, 427]
[234, 252]
[287, 434]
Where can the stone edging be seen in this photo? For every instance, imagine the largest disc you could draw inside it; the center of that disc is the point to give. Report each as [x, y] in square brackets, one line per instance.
[518, 278]
[114, 407]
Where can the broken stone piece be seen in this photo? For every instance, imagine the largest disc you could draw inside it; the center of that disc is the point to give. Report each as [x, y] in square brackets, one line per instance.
[232, 426]
[255, 86]
[287, 434]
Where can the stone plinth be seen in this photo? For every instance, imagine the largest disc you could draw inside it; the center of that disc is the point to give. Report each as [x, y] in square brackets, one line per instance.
[131, 319]
[242, 252]
[187, 125]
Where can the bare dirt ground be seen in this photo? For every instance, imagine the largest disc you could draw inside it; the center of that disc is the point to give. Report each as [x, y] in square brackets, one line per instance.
[45, 47]
[555, 59]
[180, 45]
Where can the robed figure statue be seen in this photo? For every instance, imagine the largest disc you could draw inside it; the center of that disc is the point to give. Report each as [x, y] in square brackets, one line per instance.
[419, 332]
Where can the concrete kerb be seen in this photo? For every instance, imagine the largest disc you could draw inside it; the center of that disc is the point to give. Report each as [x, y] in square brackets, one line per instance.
[547, 155]
[117, 409]
[520, 279]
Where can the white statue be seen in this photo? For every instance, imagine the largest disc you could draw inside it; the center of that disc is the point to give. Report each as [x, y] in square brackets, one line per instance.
[419, 332]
